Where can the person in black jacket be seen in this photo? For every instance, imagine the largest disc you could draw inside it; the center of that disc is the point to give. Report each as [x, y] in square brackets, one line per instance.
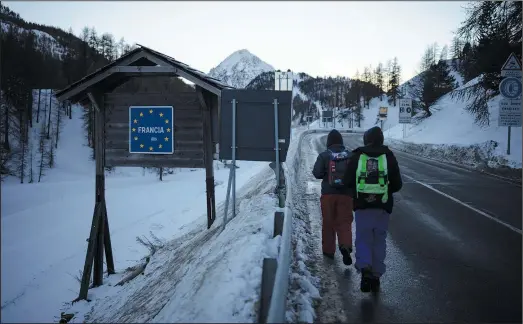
[336, 203]
[372, 175]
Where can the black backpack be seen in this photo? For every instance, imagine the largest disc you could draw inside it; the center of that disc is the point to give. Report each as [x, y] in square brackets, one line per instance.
[336, 169]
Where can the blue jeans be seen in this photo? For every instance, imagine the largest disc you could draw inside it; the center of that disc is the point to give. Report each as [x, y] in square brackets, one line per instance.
[371, 234]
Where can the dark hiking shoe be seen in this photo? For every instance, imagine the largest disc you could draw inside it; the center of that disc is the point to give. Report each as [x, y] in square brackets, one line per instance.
[366, 280]
[346, 255]
[375, 284]
[328, 255]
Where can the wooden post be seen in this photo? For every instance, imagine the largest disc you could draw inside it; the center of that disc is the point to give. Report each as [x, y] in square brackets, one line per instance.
[107, 244]
[97, 102]
[88, 265]
[99, 236]
[206, 104]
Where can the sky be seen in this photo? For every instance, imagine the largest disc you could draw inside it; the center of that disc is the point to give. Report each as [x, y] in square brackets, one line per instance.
[319, 38]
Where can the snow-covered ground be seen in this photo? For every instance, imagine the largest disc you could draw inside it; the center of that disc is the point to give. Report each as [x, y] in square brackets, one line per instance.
[452, 126]
[215, 275]
[450, 134]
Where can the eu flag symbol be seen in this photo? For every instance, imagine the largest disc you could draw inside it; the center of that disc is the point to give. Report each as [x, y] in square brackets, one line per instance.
[151, 129]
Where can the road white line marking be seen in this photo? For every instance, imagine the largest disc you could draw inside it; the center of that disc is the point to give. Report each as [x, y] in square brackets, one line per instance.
[515, 229]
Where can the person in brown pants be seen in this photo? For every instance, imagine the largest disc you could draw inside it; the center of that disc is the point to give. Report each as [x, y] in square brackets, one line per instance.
[336, 201]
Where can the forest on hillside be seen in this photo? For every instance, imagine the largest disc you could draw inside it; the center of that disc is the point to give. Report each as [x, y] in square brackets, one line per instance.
[32, 60]
[337, 92]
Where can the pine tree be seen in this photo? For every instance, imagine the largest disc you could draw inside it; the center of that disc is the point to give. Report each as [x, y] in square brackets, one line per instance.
[58, 118]
[23, 147]
[43, 154]
[38, 108]
[31, 161]
[394, 81]
[435, 81]
[49, 115]
[367, 78]
[379, 79]
[444, 53]
[491, 31]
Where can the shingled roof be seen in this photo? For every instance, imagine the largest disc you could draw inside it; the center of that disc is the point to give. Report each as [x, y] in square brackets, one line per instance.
[107, 78]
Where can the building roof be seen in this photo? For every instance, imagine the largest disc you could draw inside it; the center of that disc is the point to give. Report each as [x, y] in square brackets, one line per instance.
[109, 77]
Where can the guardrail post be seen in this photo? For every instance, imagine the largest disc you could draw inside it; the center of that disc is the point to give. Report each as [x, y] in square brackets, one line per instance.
[268, 275]
[270, 265]
[278, 223]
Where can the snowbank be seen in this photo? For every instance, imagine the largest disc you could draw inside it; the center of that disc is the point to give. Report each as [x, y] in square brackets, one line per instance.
[202, 276]
[45, 226]
[450, 134]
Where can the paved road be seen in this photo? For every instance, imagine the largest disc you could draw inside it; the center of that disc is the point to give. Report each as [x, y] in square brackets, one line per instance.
[454, 249]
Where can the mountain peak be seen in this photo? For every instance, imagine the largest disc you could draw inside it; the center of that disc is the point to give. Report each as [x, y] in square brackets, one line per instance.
[239, 68]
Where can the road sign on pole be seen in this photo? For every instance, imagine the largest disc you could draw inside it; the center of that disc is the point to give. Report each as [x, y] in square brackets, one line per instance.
[405, 111]
[509, 113]
[510, 88]
[283, 80]
[383, 113]
[151, 129]
[512, 67]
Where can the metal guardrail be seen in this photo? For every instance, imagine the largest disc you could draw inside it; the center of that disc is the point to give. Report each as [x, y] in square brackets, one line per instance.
[275, 272]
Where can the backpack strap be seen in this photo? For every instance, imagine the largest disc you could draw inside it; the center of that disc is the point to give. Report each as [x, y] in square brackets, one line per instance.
[361, 173]
[382, 173]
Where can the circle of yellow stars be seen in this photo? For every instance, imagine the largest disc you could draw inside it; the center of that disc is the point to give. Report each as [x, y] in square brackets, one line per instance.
[151, 148]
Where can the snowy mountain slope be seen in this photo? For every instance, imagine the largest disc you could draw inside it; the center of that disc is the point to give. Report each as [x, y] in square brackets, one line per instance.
[370, 113]
[415, 82]
[239, 68]
[56, 49]
[451, 131]
[450, 134]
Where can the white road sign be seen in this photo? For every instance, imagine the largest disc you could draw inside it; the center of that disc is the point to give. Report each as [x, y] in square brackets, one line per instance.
[512, 67]
[510, 88]
[283, 80]
[509, 113]
[405, 116]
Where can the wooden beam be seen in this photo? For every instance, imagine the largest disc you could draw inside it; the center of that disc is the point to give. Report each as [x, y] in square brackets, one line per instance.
[95, 77]
[83, 87]
[215, 119]
[107, 244]
[144, 69]
[96, 236]
[93, 101]
[88, 265]
[183, 74]
[97, 101]
[98, 273]
[151, 163]
[205, 104]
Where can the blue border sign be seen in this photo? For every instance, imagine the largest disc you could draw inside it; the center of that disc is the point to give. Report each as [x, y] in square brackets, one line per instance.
[151, 129]
[510, 88]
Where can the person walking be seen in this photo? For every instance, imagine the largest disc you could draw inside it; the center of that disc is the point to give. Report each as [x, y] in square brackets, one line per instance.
[335, 201]
[372, 175]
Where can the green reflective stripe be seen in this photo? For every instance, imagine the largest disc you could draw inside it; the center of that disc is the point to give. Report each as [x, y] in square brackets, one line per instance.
[382, 168]
[374, 189]
[381, 188]
[361, 173]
